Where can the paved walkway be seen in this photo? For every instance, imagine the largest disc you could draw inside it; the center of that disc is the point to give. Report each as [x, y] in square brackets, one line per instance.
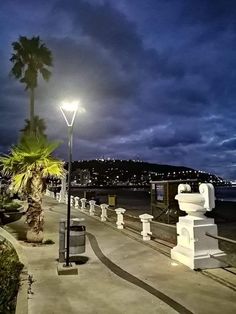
[121, 275]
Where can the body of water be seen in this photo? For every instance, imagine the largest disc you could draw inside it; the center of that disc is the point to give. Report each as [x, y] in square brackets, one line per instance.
[140, 199]
[225, 193]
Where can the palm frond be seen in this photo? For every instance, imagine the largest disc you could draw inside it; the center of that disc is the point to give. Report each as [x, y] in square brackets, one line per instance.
[45, 74]
[30, 58]
[32, 155]
[20, 181]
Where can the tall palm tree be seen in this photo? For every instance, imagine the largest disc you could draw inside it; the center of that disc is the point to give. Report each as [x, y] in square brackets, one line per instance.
[30, 57]
[39, 127]
[29, 164]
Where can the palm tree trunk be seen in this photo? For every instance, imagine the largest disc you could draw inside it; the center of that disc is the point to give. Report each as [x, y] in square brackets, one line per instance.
[31, 110]
[34, 214]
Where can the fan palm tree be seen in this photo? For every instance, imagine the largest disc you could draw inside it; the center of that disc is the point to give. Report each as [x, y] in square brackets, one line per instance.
[29, 164]
[30, 57]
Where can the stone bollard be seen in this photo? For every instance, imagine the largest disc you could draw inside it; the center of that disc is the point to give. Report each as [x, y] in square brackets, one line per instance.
[92, 207]
[83, 204]
[76, 201]
[146, 232]
[72, 200]
[104, 212]
[58, 197]
[120, 220]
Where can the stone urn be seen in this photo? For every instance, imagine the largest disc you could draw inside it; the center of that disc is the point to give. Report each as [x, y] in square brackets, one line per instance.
[194, 248]
[196, 204]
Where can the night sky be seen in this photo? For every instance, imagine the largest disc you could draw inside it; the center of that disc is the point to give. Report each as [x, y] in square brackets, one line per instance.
[157, 78]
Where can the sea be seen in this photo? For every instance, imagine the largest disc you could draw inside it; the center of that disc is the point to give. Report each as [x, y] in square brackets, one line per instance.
[226, 193]
[140, 198]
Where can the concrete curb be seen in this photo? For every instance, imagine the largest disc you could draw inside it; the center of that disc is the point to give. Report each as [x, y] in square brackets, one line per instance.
[22, 296]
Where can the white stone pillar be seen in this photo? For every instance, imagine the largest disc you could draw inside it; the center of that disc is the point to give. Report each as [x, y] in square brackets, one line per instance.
[120, 220]
[76, 202]
[66, 198]
[146, 232]
[72, 200]
[83, 204]
[104, 212]
[92, 207]
[58, 197]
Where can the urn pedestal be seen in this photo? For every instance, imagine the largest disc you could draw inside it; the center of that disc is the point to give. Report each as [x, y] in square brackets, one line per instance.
[194, 248]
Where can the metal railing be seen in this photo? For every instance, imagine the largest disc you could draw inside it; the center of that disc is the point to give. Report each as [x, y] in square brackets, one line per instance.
[220, 238]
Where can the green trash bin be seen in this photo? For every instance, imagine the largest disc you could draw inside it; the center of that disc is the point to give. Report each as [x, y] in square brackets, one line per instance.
[112, 200]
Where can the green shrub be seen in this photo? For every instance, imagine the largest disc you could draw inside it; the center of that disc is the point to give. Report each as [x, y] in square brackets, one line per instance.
[8, 205]
[10, 269]
[11, 207]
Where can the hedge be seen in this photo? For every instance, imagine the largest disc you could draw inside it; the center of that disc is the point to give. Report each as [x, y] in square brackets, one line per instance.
[10, 269]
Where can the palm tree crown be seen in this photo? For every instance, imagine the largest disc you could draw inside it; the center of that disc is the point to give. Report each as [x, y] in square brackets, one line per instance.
[30, 57]
[32, 155]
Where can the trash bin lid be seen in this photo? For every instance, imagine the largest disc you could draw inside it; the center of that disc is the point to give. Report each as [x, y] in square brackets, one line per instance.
[77, 228]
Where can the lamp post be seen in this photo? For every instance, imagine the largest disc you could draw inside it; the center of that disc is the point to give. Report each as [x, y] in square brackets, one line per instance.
[69, 110]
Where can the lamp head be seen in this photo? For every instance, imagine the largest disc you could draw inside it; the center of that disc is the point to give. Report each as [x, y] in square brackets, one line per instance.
[71, 106]
[69, 109]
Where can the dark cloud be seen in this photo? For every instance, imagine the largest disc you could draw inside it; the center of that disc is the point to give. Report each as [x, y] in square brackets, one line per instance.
[156, 78]
[229, 144]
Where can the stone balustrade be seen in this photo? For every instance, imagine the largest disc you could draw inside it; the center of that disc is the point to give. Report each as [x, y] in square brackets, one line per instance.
[120, 218]
[92, 207]
[146, 232]
[120, 212]
[83, 204]
[58, 197]
[104, 212]
[76, 201]
[72, 200]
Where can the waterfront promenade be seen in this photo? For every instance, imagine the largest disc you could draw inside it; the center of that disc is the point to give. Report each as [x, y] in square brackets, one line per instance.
[121, 274]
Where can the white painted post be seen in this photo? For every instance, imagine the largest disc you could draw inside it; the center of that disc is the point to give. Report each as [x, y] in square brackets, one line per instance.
[66, 198]
[76, 202]
[120, 220]
[92, 207]
[104, 212]
[146, 232]
[72, 200]
[83, 204]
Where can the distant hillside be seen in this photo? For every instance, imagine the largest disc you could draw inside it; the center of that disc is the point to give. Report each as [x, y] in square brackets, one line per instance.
[129, 172]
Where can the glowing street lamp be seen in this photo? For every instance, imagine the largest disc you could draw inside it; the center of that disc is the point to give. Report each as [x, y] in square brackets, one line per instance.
[69, 110]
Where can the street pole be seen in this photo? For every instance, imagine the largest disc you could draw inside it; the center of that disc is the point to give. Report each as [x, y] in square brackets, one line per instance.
[70, 129]
[71, 109]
